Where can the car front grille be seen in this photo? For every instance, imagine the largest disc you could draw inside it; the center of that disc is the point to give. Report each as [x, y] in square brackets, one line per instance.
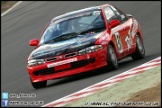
[70, 55]
[44, 71]
[51, 59]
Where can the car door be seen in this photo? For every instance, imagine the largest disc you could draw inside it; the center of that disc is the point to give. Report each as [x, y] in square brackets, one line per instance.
[116, 32]
[126, 24]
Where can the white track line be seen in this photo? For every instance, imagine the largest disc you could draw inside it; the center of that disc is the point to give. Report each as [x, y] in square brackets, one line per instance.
[11, 8]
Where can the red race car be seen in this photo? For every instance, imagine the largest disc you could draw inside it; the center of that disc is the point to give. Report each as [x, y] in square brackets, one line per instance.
[84, 40]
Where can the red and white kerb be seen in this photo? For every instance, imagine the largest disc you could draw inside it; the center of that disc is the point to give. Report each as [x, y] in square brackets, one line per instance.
[108, 82]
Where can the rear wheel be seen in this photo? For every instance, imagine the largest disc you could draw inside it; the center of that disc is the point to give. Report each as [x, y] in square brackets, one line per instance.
[140, 50]
[37, 85]
[112, 59]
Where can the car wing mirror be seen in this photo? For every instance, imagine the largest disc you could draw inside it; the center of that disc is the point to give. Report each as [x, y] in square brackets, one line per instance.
[114, 23]
[34, 42]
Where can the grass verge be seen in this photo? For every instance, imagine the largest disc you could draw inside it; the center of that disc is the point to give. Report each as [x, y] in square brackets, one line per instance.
[5, 5]
[141, 90]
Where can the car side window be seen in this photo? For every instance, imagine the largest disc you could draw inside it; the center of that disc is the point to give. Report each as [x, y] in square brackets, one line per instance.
[120, 14]
[110, 15]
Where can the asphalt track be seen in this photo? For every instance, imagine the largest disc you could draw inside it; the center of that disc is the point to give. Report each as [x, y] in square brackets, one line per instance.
[27, 21]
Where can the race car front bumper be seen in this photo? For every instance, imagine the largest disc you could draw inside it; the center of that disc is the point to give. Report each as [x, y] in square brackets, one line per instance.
[69, 66]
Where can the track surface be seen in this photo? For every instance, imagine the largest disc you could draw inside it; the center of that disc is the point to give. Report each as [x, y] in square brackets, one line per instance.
[27, 21]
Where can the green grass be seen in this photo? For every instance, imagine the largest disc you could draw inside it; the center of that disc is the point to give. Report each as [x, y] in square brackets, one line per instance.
[3, 2]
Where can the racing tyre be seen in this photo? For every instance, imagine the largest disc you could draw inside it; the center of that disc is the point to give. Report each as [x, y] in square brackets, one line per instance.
[37, 85]
[112, 59]
[140, 50]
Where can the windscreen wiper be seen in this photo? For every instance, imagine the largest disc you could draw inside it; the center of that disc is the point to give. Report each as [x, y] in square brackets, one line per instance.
[72, 34]
[96, 29]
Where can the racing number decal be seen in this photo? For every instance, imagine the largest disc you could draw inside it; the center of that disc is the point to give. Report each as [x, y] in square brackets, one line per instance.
[135, 27]
[118, 42]
[128, 39]
[131, 35]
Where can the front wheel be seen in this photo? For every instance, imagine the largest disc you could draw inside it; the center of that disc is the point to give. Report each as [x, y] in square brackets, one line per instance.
[37, 85]
[140, 50]
[112, 59]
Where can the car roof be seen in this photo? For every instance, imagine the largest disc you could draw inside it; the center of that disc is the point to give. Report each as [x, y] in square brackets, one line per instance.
[77, 12]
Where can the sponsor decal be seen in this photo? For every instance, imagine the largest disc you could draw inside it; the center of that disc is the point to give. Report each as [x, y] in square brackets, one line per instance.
[61, 62]
[70, 17]
[118, 42]
[128, 39]
[135, 27]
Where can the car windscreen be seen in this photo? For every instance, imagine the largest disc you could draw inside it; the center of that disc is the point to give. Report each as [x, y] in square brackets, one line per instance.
[74, 23]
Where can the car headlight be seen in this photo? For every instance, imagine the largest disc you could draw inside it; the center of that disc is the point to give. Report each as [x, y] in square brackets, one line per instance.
[90, 49]
[35, 62]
